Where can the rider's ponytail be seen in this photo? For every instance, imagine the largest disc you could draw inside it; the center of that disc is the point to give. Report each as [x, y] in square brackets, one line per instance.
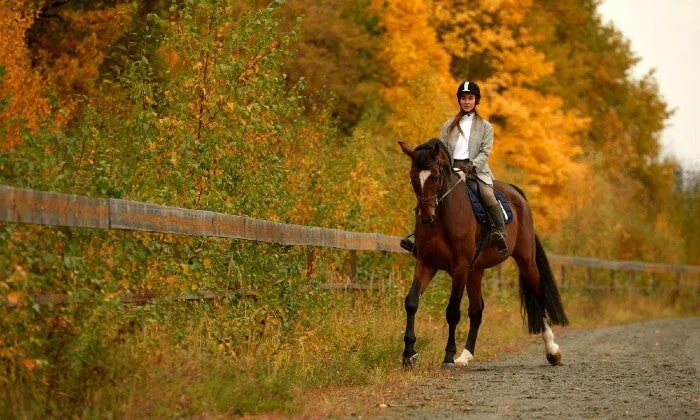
[458, 118]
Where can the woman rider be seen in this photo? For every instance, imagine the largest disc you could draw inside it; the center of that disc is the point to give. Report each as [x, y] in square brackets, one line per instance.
[469, 138]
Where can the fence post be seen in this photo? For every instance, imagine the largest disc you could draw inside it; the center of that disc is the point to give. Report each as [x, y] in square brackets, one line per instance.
[310, 258]
[563, 275]
[353, 266]
[612, 280]
[589, 275]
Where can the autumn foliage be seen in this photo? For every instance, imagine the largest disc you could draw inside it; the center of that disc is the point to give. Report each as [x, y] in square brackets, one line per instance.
[290, 112]
[20, 80]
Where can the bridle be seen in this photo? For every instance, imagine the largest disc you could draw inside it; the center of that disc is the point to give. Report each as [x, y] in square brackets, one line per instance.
[441, 179]
[425, 200]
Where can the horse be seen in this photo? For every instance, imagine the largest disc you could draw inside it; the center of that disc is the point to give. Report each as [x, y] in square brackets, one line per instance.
[446, 236]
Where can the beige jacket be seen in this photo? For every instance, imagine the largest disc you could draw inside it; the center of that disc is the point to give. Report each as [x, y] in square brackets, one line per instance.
[480, 144]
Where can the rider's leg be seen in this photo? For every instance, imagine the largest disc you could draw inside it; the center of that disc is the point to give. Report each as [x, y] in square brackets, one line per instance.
[497, 237]
[487, 194]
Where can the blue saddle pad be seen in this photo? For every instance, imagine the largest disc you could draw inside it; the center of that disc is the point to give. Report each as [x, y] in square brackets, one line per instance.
[480, 210]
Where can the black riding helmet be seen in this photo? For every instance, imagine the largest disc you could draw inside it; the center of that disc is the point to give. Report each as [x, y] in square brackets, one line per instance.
[469, 87]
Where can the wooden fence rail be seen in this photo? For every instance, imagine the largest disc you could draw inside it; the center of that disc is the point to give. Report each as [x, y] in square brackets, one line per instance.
[19, 205]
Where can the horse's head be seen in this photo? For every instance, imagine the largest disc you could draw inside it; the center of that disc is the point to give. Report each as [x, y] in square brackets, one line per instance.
[429, 168]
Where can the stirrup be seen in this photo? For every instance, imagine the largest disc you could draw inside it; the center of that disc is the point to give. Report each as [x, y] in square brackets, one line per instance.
[409, 246]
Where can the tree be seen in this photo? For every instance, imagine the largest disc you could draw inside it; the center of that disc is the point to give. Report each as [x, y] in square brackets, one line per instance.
[537, 141]
[593, 75]
[336, 55]
[22, 85]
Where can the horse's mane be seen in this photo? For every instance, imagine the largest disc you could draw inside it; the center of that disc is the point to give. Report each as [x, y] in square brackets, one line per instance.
[422, 159]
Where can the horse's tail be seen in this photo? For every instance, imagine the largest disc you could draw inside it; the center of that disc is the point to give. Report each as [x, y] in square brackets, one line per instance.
[550, 295]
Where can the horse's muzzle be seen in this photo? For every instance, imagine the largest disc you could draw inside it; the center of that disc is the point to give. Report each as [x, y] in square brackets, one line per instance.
[429, 220]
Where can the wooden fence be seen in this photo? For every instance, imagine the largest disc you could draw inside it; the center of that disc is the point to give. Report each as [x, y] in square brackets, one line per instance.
[19, 205]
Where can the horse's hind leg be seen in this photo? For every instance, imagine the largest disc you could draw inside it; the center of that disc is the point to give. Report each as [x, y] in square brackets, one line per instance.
[532, 298]
[552, 350]
[421, 277]
[476, 309]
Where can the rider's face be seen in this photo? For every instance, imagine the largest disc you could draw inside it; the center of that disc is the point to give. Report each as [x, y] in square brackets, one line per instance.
[467, 101]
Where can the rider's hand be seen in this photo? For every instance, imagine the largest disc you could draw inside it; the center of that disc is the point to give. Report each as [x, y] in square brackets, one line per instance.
[470, 168]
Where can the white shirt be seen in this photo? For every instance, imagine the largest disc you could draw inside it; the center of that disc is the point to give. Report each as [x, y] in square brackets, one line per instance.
[462, 147]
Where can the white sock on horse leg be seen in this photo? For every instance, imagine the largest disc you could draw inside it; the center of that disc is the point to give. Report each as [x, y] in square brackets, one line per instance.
[464, 358]
[548, 336]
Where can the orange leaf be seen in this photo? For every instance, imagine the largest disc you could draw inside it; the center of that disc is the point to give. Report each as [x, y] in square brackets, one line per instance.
[30, 364]
[13, 298]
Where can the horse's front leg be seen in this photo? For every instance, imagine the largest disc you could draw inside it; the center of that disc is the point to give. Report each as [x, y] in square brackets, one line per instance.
[453, 315]
[421, 277]
[476, 309]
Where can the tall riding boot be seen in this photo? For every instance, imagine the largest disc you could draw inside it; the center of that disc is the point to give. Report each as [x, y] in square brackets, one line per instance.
[497, 237]
[409, 246]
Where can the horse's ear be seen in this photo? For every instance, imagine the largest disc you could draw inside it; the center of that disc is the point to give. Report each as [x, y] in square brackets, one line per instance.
[407, 150]
[436, 150]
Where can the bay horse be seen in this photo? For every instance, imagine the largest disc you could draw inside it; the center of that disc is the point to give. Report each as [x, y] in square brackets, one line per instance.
[446, 234]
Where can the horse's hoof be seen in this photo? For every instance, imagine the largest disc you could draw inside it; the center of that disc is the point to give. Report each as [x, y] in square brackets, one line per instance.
[554, 359]
[410, 362]
[448, 366]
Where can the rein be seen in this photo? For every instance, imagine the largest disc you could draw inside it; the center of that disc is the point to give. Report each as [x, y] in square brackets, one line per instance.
[451, 188]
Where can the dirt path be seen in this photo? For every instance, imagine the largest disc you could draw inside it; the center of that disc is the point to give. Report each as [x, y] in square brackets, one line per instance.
[646, 370]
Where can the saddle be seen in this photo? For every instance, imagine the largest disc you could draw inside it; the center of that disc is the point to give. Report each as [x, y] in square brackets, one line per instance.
[478, 206]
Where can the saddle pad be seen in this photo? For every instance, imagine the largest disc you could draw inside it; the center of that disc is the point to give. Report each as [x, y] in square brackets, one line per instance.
[480, 210]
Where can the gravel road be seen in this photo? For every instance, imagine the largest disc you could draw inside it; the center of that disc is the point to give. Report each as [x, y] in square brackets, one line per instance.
[645, 370]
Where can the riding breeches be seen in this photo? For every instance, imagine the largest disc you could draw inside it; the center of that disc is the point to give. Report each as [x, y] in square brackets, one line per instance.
[487, 195]
[485, 190]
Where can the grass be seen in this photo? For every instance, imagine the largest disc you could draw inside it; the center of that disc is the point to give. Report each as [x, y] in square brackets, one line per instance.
[341, 352]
